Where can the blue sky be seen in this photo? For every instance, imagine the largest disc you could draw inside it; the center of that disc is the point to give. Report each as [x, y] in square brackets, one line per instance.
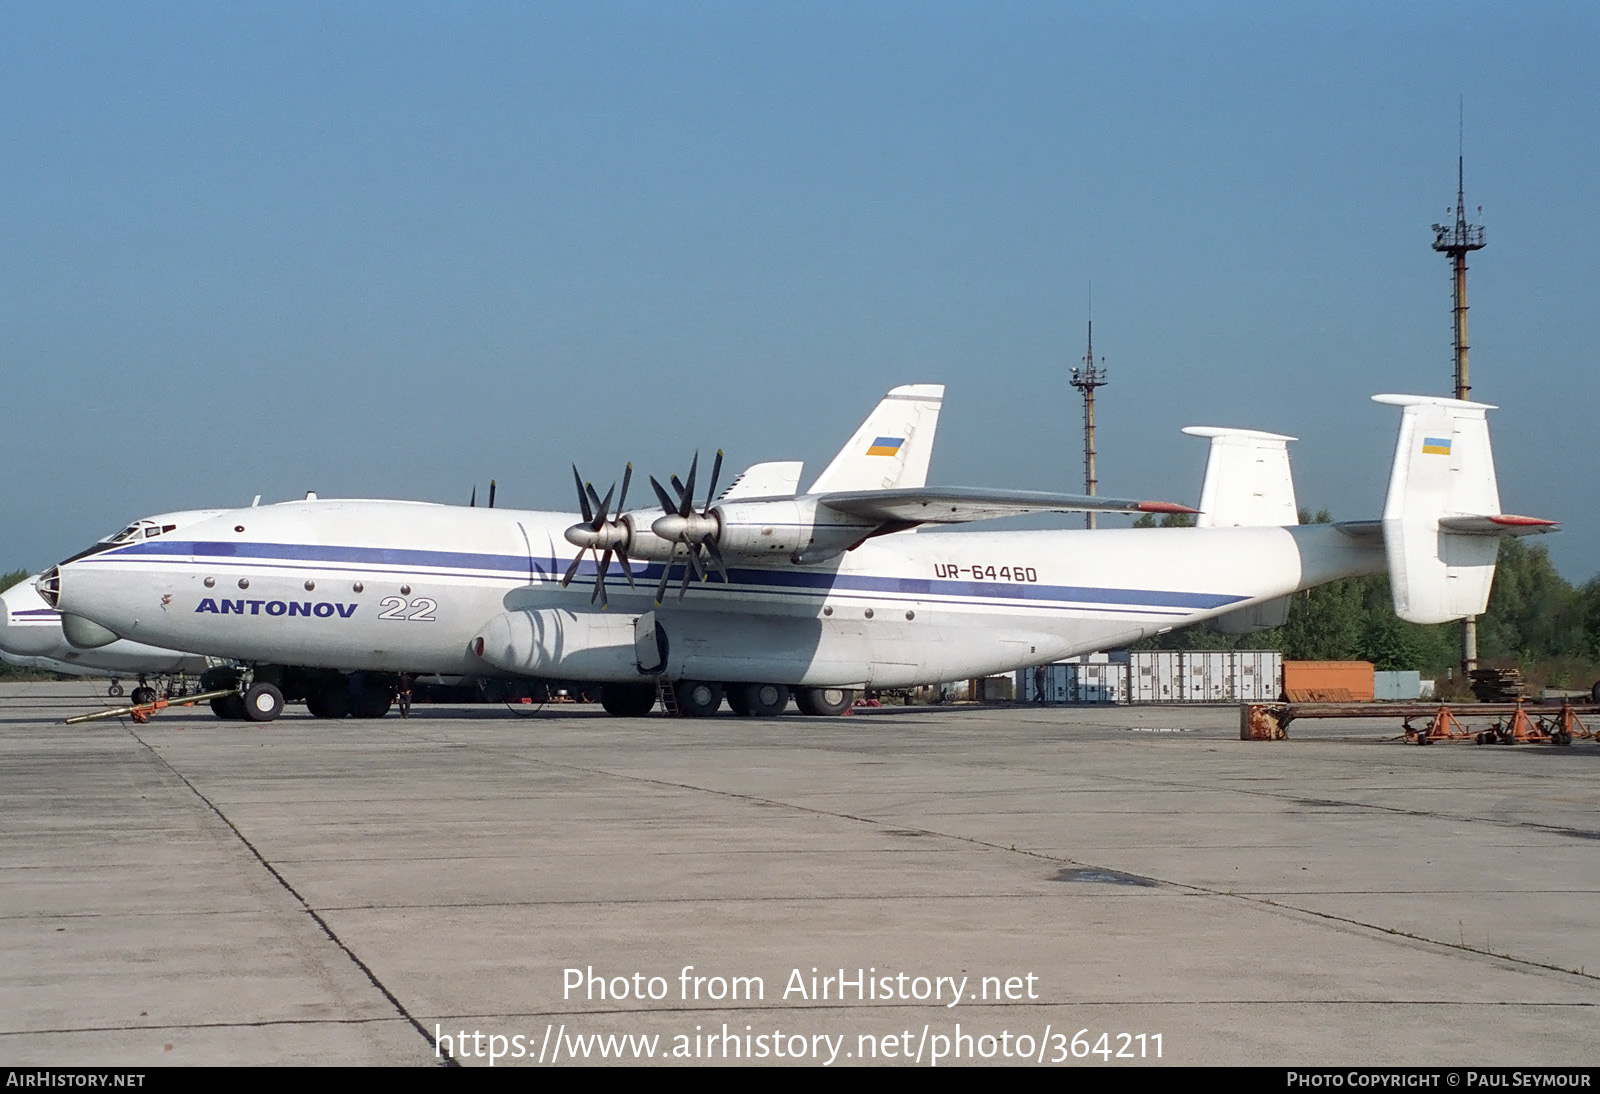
[395, 250]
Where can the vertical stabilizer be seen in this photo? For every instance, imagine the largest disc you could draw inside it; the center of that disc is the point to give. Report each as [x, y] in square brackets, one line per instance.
[1248, 485]
[893, 446]
[1248, 482]
[1443, 473]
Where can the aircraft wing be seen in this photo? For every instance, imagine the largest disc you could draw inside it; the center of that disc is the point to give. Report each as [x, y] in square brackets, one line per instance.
[958, 505]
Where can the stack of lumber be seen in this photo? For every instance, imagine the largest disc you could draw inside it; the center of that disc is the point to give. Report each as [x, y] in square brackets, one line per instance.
[1497, 685]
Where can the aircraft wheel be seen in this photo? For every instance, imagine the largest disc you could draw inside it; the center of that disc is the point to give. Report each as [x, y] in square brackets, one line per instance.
[230, 708]
[697, 698]
[373, 702]
[762, 700]
[830, 702]
[143, 695]
[263, 703]
[628, 700]
[739, 699]
[332, 701]
[116, 689]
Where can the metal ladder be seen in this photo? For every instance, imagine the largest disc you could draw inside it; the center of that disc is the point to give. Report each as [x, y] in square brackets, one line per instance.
[669, 697]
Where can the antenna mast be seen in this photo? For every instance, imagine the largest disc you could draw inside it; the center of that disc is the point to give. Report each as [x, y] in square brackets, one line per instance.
[1455, 240]
[1086, 379]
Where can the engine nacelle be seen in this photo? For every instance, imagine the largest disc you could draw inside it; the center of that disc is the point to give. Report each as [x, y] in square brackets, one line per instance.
[643, 545]
[798, 529]
[557, 642]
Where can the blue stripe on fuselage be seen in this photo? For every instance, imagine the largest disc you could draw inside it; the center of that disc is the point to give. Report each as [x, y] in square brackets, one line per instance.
[518, 567]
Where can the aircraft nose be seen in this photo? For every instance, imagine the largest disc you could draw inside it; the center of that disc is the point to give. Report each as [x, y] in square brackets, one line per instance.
[27, 627]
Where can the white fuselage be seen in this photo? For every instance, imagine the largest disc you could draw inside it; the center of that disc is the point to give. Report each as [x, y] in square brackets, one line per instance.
[31, 636]
[404, 586]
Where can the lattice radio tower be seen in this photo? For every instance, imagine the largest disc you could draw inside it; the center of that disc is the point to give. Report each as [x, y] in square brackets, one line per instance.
[1455, 240]
[1086, 379]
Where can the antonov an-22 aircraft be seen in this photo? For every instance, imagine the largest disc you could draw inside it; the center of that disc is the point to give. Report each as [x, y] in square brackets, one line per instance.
[817, 594]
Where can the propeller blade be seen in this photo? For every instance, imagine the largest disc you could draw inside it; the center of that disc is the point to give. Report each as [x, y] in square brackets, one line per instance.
[571, 570]
[594, 498]
[600, 581]
[627, 571]
[583, 499]
[473, 504]
[716, 556]
[666, 576]
[622, 502]
[687, 505]
[491, 493]
[716, 469]
[605, 507]
[661, 495]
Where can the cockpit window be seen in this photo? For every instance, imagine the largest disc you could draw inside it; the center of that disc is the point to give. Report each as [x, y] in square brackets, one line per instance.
[140, 529]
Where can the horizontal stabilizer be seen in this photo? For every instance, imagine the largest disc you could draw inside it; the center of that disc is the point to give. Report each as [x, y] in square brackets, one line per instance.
[958, 505]
[780, 479]
[1500, 524]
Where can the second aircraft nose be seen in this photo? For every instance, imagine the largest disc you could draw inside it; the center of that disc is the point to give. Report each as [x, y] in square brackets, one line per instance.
[28, 626]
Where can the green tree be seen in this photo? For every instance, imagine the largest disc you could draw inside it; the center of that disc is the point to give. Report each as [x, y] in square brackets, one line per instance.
[1533, 612]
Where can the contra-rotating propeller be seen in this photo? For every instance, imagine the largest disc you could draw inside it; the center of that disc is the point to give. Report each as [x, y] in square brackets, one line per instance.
[697, 532]
[595, 533]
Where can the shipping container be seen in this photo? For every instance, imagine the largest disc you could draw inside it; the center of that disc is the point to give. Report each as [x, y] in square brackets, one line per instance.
[1401, 686]
[1093, 678]
[1328, 681]
[1204, 676]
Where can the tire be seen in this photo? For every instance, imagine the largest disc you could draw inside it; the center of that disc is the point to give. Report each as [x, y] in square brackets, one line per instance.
[373, 702]
[738, 700]
[263, 703]
[628, 700]
[115, 689]
[230, 708]
[761, 700]
[143, 696]
[329, 701]
[827, 702]
[697, 698]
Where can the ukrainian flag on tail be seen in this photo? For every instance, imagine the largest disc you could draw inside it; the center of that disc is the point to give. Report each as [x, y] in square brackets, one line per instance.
[1436, 446]
[890, 446]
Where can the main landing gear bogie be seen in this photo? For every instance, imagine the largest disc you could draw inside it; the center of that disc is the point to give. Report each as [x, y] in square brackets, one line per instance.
[699, 698]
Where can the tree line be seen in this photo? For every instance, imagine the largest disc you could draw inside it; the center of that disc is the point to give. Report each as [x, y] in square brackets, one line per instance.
[1535, 619]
